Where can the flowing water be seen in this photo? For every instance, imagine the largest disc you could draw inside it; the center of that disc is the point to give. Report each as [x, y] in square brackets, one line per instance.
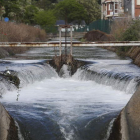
[81, 107]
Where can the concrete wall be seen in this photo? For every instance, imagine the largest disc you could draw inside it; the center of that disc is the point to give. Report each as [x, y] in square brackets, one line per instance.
[127, 125]
[8, 130]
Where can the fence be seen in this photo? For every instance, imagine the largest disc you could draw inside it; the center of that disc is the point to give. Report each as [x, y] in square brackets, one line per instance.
[102, 25]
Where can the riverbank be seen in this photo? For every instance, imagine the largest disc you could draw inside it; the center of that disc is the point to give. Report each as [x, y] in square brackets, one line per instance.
[131, 52]
[8, 52]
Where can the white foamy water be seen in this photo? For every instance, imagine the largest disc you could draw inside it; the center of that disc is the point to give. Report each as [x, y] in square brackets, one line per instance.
[67, 101]
[80, 107]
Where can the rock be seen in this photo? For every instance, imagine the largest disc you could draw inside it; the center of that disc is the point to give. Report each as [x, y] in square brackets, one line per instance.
[12, 77]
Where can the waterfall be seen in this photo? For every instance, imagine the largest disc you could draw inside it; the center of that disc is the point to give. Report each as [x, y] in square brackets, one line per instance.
[65, 71]
[27, 73]
[119, 81]
[36, 73]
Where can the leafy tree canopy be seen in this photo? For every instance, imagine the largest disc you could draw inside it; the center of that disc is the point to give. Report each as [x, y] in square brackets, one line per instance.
[14, 10]
[31, 10]
[45, 18]
[35, 11]
[92, 9]
[44, 4]
[70, 10]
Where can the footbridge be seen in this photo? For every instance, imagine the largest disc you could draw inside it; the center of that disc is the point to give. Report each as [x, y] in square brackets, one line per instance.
[69, 44]
[74, 44]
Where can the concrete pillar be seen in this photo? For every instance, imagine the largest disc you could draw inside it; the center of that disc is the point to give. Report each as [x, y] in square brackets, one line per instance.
[133, 8]
[71, 40]
[60, 47]
[114, 9]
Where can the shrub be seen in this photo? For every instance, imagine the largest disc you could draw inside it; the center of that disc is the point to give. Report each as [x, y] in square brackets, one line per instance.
[132, 33]
[118, 27]
[11, 32]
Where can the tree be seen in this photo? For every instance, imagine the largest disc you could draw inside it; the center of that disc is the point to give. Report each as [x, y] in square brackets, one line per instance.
[31, 10]
[14, 9]
[45, 18]
[2, 9]
[92, 9]
[70, 10]
[45, 4]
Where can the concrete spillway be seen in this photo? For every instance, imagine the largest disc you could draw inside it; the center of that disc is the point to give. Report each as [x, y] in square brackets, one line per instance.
[76, 107]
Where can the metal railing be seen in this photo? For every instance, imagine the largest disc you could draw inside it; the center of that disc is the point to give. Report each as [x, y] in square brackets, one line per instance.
[74, 44]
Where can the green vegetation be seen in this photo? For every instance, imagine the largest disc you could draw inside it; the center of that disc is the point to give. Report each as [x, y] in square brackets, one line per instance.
[46, 12]
[70, 10]
[125, 30]
[92, 8]
[30, 12]
[45, 18]
[132, 33]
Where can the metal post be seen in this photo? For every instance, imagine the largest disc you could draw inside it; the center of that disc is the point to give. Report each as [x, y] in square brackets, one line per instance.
[71, 40]
[60, 48]
[65, 41]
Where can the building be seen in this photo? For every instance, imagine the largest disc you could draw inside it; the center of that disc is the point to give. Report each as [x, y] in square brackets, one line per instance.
[132, 8]
[111, 9]
[115, 8]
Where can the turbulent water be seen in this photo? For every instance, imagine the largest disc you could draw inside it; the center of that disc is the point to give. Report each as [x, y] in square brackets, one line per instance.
[81, 107]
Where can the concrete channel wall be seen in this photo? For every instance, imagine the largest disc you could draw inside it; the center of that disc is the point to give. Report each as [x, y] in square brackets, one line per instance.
[127, 125]
[8, 130]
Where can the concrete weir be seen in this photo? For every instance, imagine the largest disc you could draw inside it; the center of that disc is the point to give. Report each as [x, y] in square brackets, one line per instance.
[8, 129]
[127, 125]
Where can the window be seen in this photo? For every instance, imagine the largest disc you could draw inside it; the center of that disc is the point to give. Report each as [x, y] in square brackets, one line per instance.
[110, 6]
[116, 7]
[138, 2]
